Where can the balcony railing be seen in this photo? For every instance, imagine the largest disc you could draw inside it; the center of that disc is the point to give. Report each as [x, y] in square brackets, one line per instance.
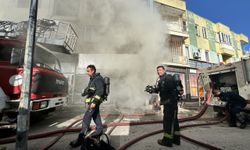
[179, 4]
[227, 49]
[177, 28]
[60, 33]
[179, 59]
[48, 32]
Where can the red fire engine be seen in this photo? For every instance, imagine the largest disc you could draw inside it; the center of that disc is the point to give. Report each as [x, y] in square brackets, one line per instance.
[49, 87]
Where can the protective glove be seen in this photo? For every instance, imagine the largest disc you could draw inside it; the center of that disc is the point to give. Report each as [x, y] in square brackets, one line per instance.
[150, 89]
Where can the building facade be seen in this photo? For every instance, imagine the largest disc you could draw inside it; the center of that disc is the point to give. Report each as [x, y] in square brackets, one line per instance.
[174, 13]
[197, 43]
[211, 43]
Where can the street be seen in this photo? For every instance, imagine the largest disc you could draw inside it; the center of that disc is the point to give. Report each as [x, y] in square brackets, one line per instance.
[219, 135]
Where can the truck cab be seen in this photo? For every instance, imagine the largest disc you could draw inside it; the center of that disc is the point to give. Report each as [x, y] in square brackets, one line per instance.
[49, 87]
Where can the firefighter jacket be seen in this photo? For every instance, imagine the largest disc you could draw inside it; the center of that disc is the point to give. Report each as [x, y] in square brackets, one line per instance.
[95, 89]
[167, 89]
[232, 99]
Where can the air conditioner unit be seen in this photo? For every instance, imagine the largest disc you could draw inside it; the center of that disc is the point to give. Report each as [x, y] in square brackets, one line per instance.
[196, 55]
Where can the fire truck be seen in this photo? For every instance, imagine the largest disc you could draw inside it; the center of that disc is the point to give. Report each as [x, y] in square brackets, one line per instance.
[49, 87]
[232, 77]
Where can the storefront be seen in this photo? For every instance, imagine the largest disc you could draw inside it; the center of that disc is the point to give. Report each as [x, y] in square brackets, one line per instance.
[188, 77]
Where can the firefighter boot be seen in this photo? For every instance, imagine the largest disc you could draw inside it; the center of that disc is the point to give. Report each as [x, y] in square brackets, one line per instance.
[165, 142]
[78, 141]
[232, 121]
[242, 120]
[177, 140]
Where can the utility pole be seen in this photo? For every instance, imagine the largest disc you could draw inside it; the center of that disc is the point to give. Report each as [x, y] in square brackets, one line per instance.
[23, 117]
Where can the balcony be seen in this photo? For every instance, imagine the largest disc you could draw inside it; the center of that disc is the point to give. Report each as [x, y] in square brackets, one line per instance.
[60, 33]
[179, 59]
[243, 39]
[176, 26]
[227, 50]
[54, 34]
[179, 4]
[177, 29]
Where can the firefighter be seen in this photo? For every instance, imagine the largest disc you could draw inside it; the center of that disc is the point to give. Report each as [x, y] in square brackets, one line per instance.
[94, 96]
[168, 89]
[235, 104]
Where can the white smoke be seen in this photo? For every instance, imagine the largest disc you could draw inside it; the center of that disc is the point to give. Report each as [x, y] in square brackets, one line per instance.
[125, 39]
[130, 40]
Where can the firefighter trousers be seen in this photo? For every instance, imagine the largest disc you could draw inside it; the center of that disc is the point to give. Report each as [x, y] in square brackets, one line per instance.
[170, 123]
[89, 114]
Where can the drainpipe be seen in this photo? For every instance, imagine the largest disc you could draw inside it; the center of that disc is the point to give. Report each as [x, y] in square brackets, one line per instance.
[188, 95]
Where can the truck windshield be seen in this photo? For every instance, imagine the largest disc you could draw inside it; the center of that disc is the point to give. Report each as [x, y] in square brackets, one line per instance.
[42, 58]
[46, 59]
[5, 53]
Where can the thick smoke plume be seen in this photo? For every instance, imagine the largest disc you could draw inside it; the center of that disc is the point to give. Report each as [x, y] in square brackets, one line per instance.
[125, 39]
[130, 39]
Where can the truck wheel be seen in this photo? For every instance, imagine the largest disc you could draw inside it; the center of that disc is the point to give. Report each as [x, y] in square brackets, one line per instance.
[243, 125]
[11, 119]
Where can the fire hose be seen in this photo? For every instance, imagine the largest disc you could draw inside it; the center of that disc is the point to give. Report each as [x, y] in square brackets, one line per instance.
[103, 115]
[41, 135]
[63, 131]
[128, 144]
[122, 116]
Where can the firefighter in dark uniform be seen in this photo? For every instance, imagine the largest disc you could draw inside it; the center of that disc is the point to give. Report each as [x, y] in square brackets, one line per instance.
[235, 104]
[94, 96]
[169, 90]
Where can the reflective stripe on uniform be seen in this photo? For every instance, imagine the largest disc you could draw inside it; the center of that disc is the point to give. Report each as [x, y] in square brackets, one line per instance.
[92, 88]
[88, 100]
[169, 136]
[97, 97]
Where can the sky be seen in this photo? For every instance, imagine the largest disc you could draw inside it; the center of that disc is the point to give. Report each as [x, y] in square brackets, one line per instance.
[233, 13]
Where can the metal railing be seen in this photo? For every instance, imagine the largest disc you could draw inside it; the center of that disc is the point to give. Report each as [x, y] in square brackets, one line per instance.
[179, 59]
[48, 32]
[59, 33]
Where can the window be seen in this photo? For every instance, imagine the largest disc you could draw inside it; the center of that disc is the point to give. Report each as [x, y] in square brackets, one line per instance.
[5, 53]
[224, 38]
[218, 37]
[176, 46]
[193, 84]
[229, 40]
[197, 30]
[204, 32]
[184, 26]
[45, 59]
[11, 54]
[218, 57]
[187, 51]
[207, 56]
